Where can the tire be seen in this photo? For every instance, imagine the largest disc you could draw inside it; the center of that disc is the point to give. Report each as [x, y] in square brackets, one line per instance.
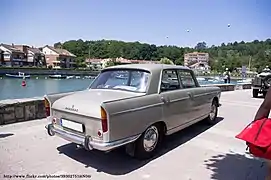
[144, 149]
[212, 118]
[255, 93]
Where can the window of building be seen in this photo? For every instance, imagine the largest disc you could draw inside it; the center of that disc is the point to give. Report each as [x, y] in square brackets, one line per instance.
[6, 55]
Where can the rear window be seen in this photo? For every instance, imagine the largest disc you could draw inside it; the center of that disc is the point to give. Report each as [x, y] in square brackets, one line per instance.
[122, 79]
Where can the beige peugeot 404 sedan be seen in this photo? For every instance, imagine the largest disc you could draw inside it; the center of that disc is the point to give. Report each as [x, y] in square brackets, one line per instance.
[134, 106]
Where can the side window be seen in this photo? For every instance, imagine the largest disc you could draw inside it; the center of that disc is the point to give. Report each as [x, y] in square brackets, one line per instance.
[169, 81]
[186, 79]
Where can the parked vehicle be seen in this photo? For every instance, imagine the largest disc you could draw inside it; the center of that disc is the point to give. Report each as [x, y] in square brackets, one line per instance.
[138, 111]
[261, 83]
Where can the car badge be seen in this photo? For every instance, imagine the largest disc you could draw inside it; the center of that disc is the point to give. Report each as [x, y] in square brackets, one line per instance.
[71, 108]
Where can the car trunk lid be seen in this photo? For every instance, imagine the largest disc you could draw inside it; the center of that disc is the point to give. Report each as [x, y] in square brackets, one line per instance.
[85, 108]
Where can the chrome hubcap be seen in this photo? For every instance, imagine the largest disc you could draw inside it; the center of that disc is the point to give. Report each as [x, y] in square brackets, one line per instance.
[150, 138]
[213, 112]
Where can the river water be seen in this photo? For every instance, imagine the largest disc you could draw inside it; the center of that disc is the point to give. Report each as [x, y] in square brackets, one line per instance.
[12, 88]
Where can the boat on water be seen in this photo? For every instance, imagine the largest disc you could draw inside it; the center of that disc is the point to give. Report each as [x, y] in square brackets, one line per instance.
[89, 77]
[57, 76]
[19, 75]
[70, 77]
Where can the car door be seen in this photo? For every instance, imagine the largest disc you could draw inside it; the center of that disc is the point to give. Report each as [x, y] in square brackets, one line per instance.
[176, 101]
[199, 103]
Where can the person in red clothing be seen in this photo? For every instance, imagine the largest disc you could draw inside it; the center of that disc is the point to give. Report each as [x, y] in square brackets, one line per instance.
[263, 112]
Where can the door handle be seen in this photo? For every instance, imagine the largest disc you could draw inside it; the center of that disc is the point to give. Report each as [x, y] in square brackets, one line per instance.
[165, 100]
[190, 95]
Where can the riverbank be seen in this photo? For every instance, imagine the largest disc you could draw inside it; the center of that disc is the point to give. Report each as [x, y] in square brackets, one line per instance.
[46, 71]
[19, 110]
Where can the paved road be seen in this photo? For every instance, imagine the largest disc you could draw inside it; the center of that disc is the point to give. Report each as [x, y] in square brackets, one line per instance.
[197, 153]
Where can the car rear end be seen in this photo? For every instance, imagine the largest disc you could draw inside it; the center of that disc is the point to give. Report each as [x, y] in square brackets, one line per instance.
[83, 118]
[90, 132]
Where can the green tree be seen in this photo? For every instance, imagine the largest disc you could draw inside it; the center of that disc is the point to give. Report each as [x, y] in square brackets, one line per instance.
[255, 54]
[166, 61]
[201, 46]
[179, 61]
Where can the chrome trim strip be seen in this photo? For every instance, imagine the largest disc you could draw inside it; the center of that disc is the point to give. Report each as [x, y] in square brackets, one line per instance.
[204, 94]
[179, 99]
[102, 146]
[199, 95]
[137, 109]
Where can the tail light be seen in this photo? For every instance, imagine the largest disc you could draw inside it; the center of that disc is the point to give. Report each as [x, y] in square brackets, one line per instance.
[104, 120]
[47, 107]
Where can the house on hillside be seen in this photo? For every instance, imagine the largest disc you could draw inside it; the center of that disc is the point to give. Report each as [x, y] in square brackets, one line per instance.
[12, 56]
[1, 57]
[195, 57]
[58, 58]
[95, 64]
[143, 62]
[98, 64]
[123, 61]
[35, 57]
[198, 61]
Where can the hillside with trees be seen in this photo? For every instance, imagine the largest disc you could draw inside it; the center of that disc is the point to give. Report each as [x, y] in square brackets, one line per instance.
[256, 54]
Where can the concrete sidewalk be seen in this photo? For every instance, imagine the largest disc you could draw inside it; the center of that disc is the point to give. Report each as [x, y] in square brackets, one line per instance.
[197, 153]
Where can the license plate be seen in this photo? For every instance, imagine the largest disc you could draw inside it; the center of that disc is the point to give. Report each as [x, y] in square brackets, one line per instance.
[72, 125]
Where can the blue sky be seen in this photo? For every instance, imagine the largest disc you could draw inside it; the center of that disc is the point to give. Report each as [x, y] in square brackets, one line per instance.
[37, 22]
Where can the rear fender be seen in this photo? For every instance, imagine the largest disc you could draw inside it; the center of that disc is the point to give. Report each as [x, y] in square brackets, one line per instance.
[129, 117]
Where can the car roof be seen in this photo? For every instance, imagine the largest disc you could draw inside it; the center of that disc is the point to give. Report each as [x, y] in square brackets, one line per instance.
[148, 67]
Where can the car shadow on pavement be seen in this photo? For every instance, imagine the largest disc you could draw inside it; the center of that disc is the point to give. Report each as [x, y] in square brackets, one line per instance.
[236, 166]
[117, 162]
[6, 135]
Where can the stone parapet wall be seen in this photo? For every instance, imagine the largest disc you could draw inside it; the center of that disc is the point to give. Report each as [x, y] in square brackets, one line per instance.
[18, 110]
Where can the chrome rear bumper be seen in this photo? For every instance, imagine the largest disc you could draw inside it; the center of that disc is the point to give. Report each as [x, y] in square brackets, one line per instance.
[86, 141]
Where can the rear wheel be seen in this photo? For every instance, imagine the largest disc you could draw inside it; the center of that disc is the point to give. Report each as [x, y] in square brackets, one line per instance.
[255, 93]
[149, 142]
[212, 118]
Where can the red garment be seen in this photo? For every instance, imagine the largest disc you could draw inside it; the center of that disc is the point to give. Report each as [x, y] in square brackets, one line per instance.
[258, 138]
